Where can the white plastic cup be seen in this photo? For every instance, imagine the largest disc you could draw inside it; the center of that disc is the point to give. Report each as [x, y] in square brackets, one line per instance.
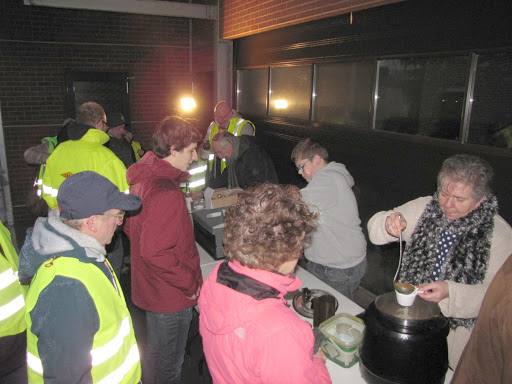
[406, 300]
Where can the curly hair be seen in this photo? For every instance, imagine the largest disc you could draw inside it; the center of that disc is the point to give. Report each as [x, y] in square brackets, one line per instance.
[174, 131]
[267, 226]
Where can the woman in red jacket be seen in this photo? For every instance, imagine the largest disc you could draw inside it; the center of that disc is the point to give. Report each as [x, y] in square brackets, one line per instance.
[166, 277]
[250, 335]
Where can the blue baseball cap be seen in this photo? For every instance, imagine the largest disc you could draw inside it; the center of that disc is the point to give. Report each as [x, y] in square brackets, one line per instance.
[88, 193]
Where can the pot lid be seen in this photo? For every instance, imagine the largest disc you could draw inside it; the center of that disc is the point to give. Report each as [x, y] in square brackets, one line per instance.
[303, 300]
[420, 310]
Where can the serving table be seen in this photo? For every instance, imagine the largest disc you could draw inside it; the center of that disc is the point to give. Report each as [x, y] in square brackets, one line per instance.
[345, 305]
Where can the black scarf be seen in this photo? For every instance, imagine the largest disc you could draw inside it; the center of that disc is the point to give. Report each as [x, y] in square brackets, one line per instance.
[467, 259]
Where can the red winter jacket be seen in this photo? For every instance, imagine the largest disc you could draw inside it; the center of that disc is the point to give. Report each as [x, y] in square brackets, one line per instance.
[254, 337]
[164, 256]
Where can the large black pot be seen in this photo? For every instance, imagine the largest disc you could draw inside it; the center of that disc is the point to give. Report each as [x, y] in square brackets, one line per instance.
[403, 344]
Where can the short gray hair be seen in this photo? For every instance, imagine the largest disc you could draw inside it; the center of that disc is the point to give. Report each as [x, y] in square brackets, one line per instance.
[75, 224]
[224, 138]
[469, 170]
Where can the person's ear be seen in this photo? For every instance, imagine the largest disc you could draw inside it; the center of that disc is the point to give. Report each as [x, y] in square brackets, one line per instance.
[480, 202]
[92, 223]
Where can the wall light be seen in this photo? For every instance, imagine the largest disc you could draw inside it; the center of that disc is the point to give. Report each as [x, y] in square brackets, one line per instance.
[188, 103]
[281, 104]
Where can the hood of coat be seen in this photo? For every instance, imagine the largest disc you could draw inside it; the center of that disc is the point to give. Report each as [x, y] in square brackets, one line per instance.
[153, 167]
[227, 309]
[335, 168]
[50, 238]
[75, 131]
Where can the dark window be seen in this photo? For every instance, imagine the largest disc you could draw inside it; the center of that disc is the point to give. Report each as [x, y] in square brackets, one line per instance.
[109, 89]
[491, 113]
[343, 93]
[252, 91]
[422, 96]
[290, 92]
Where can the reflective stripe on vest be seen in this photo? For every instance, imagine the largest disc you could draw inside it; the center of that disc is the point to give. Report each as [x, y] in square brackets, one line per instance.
[12, 307]
[34, 363]
[199, 169]
[50, 191]
[102, 354]
[193, 184]
[105, 352]
[7, 278]
[118, 375]
[12, 301]
[114, 354]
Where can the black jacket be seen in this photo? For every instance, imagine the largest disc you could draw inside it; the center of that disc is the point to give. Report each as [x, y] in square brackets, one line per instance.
[253, 166]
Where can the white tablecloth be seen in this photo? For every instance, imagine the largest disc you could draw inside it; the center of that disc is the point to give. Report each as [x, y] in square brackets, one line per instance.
[338, 374]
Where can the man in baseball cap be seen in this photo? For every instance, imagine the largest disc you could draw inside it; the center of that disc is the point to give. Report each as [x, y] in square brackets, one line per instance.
[78, 325]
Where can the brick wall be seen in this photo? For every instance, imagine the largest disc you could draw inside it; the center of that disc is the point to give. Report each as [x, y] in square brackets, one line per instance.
[246, 17]
[38, 45]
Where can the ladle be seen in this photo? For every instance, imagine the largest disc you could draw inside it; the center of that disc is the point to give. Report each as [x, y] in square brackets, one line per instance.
[403, 288]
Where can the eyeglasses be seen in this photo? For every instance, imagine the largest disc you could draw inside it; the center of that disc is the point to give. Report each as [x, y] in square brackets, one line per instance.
[119, 216]
[300, 168]
[103, 121]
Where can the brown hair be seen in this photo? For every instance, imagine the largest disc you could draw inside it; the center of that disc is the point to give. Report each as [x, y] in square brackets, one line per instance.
[173, 131]
[90, 113]
[307, 149]
[266, 227]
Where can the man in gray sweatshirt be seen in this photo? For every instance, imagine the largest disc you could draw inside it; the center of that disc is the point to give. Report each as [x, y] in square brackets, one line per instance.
[337, 250]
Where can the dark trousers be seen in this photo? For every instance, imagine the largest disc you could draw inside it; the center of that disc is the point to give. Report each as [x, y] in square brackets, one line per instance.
[165, 351]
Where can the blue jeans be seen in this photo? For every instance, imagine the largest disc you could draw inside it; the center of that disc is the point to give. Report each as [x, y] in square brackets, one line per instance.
[167, 338]
[345, 281]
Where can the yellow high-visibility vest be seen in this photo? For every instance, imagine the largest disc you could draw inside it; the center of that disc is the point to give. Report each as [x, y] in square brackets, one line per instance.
[114, 354]
[12, 300]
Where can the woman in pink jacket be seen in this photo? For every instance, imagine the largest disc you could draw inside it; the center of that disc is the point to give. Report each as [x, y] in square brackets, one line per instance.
[250, 335]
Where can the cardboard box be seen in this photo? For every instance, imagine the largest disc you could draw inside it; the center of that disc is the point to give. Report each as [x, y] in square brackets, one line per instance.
[223, 197]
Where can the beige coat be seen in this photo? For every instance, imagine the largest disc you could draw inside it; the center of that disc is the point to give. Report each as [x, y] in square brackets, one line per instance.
[464, 300]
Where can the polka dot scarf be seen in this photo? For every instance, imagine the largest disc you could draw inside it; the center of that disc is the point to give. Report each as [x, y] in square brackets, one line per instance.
[455, 250]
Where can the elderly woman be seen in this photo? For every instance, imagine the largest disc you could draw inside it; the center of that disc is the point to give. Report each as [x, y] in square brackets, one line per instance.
[250, 335]
[456, 242]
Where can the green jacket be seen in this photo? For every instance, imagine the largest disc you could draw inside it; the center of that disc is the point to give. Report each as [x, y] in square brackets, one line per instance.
[85, 154]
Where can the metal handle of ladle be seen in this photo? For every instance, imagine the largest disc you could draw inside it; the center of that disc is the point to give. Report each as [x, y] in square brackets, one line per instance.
[399, 239]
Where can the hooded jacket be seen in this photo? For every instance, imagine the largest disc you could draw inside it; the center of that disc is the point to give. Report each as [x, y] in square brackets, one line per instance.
[86, 153]
[65, 318]
[250, 335]
[338, 240]
[164, 256]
